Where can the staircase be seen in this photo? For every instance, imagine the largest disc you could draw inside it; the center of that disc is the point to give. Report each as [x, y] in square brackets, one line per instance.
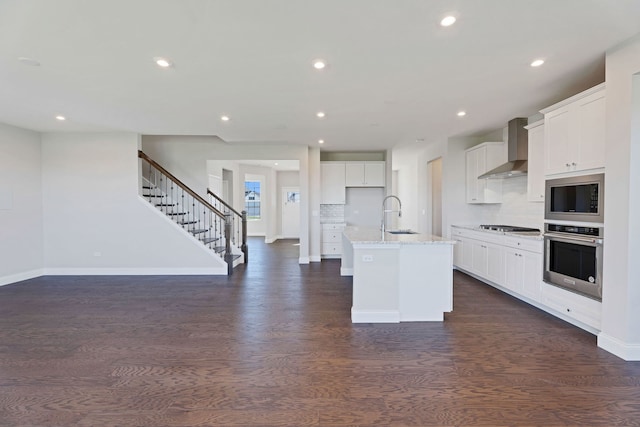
[207, 224]
[238, 222]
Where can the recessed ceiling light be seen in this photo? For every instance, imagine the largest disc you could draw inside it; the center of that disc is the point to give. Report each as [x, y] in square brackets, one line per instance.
[61, 118]
[29, 61]
[276, 163]
[321, 141]
[319, 64]
[320, 114]
[163, 62]
[537, 62]
[224, 118]
[448, 20]
[462, 113]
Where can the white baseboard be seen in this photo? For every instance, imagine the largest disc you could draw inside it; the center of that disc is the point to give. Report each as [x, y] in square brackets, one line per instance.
[382, 316]
[270, 240]
[135, 271]
[315, 258]
[346, 271]
[19, 277]
[625, 351]
[303, 260]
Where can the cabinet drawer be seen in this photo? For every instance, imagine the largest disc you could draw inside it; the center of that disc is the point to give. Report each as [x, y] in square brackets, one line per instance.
[329, 248]
[339, 226]
[583, 309]
[524, 244]
[330, 236]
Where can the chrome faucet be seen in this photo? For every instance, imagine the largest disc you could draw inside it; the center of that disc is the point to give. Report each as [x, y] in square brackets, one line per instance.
[386, 211]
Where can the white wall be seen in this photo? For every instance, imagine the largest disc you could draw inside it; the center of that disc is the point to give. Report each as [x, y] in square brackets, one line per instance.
[21, 244]
[187, 158]
[621, 282]
[96, 223]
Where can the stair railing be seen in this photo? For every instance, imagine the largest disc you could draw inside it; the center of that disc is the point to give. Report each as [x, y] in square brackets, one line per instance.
[239, 222]
[187, 208]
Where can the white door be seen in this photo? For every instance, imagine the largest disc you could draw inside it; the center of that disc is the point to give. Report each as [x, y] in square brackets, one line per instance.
[290, 212]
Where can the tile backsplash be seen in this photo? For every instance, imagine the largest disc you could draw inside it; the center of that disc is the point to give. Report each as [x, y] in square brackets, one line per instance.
[332, 212]
[515, 209]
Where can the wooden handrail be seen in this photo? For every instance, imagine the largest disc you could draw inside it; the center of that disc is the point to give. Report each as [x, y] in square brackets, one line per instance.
[181, 184]
[227, 205]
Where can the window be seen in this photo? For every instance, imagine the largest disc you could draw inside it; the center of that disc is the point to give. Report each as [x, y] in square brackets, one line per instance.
[252, 199]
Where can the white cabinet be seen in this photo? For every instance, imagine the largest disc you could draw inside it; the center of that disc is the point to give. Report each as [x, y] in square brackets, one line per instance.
[332, 175]
[514, 263]
[480, 159]
[487, 260]
[523, 272]
[572, 305]
[458, 249]
[523, 266]
[332, 239]
[574, 132]
[365, 174]
[535, 173]
[484, 258]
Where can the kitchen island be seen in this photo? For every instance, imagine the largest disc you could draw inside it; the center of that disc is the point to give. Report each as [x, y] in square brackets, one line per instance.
[397, 277]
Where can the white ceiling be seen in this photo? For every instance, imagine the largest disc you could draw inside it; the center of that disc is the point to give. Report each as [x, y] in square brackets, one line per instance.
[394, 76]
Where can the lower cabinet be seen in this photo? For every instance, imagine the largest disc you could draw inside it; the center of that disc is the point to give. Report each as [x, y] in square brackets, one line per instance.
[515, 264]
[523, 272]
[332, 240]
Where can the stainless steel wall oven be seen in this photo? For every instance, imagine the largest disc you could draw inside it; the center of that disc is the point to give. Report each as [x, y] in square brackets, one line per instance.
[573, 258]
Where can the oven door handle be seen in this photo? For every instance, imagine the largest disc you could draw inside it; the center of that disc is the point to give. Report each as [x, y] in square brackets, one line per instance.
[572, 238]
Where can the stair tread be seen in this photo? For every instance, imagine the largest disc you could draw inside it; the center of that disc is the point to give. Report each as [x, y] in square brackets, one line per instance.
[188, 222]
[198, 230]
[208, 240]
[176, 213]
[165, 204]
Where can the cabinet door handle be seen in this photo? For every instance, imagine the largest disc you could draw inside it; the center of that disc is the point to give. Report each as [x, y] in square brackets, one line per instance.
[574, 164]
[567, 164]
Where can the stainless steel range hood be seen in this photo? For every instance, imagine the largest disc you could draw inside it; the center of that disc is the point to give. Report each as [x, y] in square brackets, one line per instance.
[518, 147]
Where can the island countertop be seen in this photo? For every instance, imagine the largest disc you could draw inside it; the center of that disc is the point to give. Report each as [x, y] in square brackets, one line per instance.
[370, 235]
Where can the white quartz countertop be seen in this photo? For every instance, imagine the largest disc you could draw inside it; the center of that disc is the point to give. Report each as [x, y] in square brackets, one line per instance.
[524, 234]
[367, 235]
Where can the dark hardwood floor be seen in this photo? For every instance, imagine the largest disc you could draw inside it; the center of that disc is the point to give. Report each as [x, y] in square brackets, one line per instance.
[273, 345]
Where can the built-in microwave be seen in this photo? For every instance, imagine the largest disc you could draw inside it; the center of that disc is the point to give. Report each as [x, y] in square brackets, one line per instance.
[575, 199]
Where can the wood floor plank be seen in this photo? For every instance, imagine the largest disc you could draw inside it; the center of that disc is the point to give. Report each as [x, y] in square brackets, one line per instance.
[273, 345]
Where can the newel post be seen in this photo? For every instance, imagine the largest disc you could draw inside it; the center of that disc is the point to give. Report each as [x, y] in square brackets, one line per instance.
[228, 255]
[244, 247]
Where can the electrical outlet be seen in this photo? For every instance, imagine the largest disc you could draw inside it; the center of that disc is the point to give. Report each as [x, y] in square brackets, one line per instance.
[367, 258]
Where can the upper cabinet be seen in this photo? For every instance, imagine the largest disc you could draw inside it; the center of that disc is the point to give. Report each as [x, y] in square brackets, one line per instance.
[332, 175]
[574, 132]
[535, 173]
[365, 174]
[480, 159]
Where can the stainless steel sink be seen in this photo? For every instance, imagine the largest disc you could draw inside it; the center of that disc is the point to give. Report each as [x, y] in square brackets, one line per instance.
[402, 232]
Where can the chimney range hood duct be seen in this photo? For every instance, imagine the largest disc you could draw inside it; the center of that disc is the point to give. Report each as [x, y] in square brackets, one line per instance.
[518, 146]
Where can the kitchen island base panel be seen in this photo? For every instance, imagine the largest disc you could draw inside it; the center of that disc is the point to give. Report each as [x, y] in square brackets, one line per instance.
[365, 316]
[398, 278]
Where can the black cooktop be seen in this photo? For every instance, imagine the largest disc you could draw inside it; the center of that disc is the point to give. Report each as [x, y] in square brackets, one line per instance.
[507, 228]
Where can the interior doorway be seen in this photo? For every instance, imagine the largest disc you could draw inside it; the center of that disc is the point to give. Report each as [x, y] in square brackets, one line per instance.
[434, 196]
[290, 212]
